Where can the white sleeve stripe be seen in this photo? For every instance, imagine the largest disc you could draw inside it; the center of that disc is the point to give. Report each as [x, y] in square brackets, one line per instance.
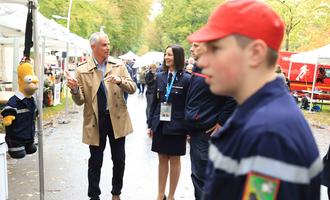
[267, 166]
[16, 149]
[9, 108]
[25, 110]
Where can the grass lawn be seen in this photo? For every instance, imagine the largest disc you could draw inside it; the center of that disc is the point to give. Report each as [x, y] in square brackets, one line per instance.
[319, 118]
[50, 112]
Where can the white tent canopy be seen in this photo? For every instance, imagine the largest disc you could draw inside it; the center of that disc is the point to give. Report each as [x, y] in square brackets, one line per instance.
[6, 31]
[24, 2]
[320, 56]
[50, 33]
[129, 56]
[149, 58]
[13, 22]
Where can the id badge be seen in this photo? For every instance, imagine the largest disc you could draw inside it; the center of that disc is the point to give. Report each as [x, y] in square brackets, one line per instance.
[165, 112]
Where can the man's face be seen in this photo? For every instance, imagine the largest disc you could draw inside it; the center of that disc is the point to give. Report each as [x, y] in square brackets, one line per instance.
[224, 63]
[197, 49]
[101, 48]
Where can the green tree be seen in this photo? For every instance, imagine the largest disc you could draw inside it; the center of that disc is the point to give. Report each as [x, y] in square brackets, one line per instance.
[123, 19]
[133, 15]
[305, 20]
[179, 19]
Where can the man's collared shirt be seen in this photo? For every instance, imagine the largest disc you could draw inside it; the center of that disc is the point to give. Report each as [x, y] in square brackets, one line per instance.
[102, 67]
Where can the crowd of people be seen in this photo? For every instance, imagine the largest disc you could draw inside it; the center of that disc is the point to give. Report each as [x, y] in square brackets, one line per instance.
[227, 101]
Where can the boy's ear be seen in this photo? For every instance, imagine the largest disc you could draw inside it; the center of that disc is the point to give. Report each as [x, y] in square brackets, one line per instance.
[257, 52]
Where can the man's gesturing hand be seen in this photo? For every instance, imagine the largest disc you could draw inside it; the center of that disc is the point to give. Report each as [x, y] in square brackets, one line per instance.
[113, 79]
[72, 83]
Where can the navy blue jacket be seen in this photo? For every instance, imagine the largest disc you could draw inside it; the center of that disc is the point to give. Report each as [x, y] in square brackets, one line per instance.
[267, 135]
[177, 99]
[150, 81]
[325, 177]
[204, 109]
[23, 127]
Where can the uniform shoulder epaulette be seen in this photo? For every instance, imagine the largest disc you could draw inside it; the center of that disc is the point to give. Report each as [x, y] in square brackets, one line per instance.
[82, 63]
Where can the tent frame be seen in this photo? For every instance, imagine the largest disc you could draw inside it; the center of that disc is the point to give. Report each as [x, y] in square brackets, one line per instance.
[39, 69]
[319, 60]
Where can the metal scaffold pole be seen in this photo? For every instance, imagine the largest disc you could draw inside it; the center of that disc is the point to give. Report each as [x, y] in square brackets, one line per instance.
[40, 72]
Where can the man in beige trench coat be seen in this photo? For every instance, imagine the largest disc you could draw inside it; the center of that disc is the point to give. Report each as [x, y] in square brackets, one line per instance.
[100, 86]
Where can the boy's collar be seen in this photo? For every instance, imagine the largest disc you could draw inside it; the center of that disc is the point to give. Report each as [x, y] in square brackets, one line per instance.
[20, 95]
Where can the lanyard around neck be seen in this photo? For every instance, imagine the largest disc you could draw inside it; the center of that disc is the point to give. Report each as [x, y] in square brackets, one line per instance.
[169, 87]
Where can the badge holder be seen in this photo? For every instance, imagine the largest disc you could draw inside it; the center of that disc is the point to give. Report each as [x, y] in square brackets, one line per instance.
[165, 111]
[165, 107]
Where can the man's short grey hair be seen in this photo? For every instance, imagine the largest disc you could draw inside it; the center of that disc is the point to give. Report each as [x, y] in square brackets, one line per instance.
[95, 37]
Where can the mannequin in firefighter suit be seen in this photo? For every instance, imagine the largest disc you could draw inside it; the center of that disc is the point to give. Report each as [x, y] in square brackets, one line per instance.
[19, 114]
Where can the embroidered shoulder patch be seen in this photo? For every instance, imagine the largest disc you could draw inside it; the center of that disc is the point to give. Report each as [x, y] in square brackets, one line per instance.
[260, 187]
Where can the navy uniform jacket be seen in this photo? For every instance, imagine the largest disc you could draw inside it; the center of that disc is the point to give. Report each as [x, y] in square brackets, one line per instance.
[150, 81]
[23, 127]
[177, 99]
[268, 135]
[204, 109]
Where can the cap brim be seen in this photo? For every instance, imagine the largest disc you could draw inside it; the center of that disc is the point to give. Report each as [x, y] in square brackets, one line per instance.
[206, 34]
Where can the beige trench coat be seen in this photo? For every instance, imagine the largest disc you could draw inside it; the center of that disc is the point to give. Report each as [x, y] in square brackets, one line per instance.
[89, 80]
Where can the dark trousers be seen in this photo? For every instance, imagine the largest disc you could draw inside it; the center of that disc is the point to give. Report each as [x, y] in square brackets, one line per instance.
[96, 159]
[141, 87]
[199, 144]
[126, 96]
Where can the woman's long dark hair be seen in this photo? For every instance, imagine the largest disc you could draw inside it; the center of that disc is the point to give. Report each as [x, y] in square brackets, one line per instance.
[178, 53]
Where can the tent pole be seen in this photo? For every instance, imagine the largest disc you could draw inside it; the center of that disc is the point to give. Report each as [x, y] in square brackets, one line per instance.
[313, 87]
[2, 63]
[289, 72]
[38, 67]
[74, 108]
[15, 63]
[66, 119]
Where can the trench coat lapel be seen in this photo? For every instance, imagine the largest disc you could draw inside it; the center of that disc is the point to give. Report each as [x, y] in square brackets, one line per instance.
[108, 70]
[97, 77]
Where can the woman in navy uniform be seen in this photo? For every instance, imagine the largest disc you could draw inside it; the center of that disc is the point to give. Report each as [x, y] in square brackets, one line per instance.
[166, 120]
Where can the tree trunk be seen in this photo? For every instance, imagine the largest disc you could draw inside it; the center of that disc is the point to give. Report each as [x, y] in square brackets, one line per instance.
[287, 40]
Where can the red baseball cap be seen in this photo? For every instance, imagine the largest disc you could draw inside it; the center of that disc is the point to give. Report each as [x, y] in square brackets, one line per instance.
[250, 18]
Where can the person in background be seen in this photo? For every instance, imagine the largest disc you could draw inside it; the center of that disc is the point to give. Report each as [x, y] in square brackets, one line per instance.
[189, 68]
[150, 81]
[130, 71]
[190, 65]
[266, 149]
[166, 120]
[159, 68]
[191, 61]
[205, 114]
[142, 79]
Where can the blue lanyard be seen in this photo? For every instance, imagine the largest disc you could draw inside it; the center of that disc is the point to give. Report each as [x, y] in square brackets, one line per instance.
[169, 87]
